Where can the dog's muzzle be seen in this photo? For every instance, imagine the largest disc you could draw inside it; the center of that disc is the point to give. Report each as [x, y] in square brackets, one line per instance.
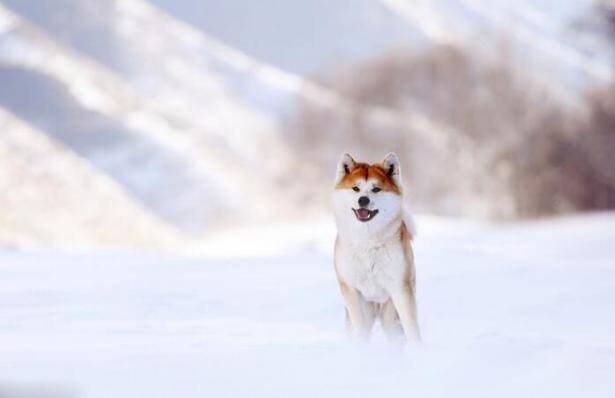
[364, 215]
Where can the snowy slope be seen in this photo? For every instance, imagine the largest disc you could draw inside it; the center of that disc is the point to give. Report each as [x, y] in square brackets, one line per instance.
[153, 148]
[506, 311]
[307, 37]
[547, 34]
[53, 197]
[165, 61]
[179, 102]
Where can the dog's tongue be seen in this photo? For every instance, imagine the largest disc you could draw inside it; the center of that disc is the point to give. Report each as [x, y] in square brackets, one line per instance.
[363, 213]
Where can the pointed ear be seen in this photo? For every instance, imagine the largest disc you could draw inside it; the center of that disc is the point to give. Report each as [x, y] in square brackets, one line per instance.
[344, 166]
[391, 165]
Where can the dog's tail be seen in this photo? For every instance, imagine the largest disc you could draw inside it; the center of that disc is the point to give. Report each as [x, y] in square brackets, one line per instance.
[410, 224]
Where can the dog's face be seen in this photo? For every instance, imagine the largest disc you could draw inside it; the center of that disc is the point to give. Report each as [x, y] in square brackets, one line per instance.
[367, 194]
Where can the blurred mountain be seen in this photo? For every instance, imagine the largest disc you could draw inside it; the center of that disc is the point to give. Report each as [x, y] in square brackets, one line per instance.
[52, 196]
[180, 103]
[169, 131]
[551, 37]
[306, 37]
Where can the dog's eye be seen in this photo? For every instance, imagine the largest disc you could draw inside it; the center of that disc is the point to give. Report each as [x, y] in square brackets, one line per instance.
[356, 189]
[376, 190]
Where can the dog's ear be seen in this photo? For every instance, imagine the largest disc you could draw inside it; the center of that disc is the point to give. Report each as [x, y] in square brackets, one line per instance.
[344, 166]
[391, 166]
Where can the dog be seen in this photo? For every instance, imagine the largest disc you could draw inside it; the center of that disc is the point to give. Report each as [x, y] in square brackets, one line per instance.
[374, 261]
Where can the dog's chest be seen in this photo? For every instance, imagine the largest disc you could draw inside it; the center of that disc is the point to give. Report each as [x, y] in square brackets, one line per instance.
[373, 270]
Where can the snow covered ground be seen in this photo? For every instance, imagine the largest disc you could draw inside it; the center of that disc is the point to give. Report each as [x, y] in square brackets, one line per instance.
[517, 310]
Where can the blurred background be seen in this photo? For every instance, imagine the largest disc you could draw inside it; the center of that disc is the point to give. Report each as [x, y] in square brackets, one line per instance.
[156, 123]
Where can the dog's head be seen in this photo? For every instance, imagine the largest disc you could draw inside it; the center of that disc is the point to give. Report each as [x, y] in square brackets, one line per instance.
[368, 194]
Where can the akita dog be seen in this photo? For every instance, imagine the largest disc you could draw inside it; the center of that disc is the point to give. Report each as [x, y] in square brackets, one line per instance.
[374, 261]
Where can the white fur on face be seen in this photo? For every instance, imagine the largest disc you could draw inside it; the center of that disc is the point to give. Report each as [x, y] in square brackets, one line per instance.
[388, 204]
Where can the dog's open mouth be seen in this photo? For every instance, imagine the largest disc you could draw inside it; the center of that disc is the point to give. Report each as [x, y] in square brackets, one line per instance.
[364, 215]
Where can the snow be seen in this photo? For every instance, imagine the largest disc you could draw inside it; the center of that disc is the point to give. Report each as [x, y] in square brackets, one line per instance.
[51, 196]
[530, 32]
[216, 141]
[521, 309]
[546, 34]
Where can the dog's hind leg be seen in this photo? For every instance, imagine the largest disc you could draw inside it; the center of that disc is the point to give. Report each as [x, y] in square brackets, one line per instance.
[369, 315]
[359, 314]
[347, 322]
[370, 312]
[405, 305]
[389, 319]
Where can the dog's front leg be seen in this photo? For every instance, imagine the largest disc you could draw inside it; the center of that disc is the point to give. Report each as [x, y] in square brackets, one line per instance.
[405, 305]
[360, 325]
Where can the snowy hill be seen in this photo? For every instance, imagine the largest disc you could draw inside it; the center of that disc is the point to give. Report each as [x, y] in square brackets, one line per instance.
[185, 163]
[42, 180]
[179, 103]
[548, 34]
[309, 37]
[507, 311]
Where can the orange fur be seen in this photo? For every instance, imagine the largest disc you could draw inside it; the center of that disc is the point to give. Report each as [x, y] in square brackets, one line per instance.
[366, 171]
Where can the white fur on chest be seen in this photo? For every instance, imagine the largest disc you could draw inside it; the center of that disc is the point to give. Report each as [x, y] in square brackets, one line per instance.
[375, 270]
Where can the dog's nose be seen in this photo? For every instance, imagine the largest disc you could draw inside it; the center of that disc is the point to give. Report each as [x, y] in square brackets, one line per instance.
[363, 201]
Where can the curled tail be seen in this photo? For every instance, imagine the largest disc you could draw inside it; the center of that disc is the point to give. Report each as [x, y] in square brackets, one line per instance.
[410, 225]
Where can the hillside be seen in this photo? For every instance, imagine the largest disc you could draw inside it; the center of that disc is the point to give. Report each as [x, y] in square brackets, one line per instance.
[53, 197]
[185, 164]
[185, 105]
